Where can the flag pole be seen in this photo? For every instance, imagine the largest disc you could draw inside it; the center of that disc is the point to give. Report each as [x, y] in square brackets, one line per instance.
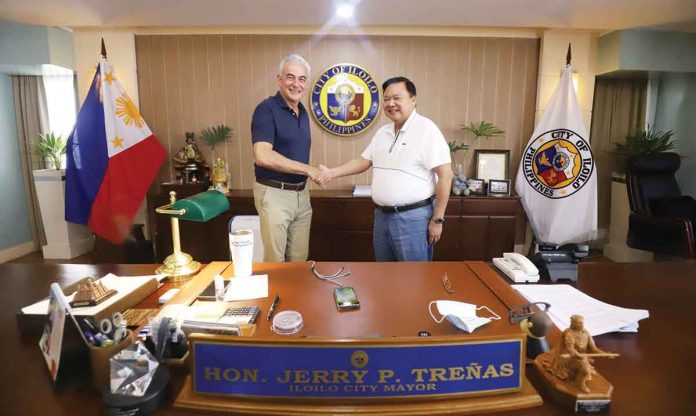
[103, 49]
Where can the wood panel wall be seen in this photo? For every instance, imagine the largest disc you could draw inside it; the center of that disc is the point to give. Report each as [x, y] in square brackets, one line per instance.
[190, 82]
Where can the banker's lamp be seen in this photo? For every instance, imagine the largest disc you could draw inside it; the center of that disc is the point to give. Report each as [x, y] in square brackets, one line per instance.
[201, 207]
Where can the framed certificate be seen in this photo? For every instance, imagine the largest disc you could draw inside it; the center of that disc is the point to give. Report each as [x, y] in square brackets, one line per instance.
[492, 164]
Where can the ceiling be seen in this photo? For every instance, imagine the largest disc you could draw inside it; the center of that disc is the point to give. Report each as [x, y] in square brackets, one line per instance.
[604, 15]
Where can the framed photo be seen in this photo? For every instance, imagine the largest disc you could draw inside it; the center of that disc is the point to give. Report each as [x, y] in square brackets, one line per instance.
[492, 164]
[477, 186]
[499, 187]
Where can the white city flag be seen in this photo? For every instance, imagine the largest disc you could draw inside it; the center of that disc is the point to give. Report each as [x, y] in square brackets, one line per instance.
[557, 177]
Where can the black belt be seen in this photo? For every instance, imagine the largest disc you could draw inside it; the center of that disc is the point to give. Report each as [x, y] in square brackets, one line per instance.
[282, 185]
[403, 208]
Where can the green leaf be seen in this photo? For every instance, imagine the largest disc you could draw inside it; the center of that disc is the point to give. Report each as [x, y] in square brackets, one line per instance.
[455, 147]
[646, 142]
[216, 134]
[642, 143]
[51, 146]
[483, 129]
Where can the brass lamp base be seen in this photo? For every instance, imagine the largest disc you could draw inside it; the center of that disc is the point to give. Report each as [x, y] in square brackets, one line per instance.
[178, 267]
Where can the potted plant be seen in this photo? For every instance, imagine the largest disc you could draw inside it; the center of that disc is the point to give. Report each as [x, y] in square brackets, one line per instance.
[483, 129]
[455, 147]
[63, 240]
[215, 135]
[51, 149]
[643, 143]
[459, 179]
[640, 144]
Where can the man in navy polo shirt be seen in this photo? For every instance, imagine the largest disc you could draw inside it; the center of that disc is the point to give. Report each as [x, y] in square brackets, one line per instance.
[281, 137]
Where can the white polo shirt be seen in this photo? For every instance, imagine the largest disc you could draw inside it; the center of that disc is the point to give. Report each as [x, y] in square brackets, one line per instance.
[402, 165]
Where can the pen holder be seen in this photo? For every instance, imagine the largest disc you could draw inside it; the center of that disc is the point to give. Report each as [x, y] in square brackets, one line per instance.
[99, 357]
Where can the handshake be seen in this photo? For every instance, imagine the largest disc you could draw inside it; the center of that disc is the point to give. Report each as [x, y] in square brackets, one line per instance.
[321, 175]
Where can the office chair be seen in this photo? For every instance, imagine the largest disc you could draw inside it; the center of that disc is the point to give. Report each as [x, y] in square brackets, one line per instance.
[662, 219]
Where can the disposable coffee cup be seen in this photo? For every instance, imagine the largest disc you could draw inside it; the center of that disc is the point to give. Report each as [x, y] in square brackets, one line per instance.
[242, 250]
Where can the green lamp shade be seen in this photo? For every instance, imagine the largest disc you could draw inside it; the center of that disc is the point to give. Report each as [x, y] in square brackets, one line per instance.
[202, 207]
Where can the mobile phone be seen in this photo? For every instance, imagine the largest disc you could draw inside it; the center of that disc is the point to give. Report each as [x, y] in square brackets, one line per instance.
[346, 298]
[209, 292]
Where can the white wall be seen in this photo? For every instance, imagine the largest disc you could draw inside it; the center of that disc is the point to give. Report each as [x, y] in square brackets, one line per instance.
[120, 51]
[552, 60]
[676, 110]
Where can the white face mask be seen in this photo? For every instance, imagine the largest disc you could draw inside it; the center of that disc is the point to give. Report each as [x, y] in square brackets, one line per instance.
[460, 314]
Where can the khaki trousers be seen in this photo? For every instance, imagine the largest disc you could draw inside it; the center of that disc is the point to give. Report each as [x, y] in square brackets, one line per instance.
[286, 217]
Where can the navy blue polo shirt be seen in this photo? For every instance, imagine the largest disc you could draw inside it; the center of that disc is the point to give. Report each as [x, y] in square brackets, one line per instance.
[275, 122]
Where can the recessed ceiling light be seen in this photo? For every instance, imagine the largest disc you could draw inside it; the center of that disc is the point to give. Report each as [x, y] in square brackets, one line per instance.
[344, 11]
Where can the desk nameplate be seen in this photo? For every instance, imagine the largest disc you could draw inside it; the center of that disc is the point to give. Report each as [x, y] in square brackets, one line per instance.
[439, 367]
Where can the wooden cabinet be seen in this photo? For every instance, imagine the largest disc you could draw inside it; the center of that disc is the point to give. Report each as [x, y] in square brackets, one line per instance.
[476, 228]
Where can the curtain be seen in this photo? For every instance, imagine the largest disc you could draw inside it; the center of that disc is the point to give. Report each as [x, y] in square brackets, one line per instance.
[618, 109]
[32, 120]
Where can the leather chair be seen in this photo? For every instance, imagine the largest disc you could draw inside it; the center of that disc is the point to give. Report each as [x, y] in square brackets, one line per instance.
[662, 219]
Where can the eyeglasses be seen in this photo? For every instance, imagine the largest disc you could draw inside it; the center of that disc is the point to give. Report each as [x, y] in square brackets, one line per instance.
[447, 284]
[329, 277]
[291, 78]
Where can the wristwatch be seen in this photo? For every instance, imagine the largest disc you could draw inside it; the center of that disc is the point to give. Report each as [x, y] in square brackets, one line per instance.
[437, 220]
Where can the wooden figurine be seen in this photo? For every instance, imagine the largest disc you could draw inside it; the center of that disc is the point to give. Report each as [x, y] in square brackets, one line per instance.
[568, 370]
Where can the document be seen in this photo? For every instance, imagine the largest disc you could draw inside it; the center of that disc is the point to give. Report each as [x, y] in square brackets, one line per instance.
[565, 300]
[245, 288]
[362, 190]
[124, 285]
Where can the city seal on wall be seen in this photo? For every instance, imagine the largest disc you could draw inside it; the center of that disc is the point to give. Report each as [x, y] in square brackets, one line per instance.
[345, 99]
[558, 163]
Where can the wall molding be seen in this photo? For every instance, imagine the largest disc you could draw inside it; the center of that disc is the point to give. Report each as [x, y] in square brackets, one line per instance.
[455, 31]
[20, 250]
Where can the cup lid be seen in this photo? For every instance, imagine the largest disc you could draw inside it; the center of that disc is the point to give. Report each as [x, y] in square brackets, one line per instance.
[287, 322]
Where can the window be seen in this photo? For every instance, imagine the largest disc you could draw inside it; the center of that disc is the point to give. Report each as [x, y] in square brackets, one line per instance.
[60, 100]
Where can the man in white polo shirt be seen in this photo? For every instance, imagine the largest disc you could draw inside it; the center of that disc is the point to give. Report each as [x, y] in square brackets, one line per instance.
[411, 177]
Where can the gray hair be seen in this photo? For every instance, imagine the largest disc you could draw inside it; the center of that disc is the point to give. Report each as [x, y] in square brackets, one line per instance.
[295, 59]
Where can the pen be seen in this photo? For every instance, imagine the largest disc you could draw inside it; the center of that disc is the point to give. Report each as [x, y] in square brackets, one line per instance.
[273, 307]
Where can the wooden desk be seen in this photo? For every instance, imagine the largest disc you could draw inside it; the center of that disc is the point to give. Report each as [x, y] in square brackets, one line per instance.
[653, 376]
[476, 228]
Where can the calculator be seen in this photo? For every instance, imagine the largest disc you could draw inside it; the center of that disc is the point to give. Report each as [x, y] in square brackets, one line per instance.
[239, 315]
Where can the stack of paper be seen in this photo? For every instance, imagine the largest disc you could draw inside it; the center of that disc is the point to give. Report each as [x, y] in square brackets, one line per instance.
[245, 288]
[362, 190]
[124, 285]
[599, 317]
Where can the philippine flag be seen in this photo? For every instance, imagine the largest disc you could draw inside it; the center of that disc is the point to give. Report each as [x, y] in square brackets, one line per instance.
[113, 157]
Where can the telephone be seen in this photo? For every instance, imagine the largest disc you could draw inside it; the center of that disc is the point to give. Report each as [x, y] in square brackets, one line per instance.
[517, 267]
[559, 262]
